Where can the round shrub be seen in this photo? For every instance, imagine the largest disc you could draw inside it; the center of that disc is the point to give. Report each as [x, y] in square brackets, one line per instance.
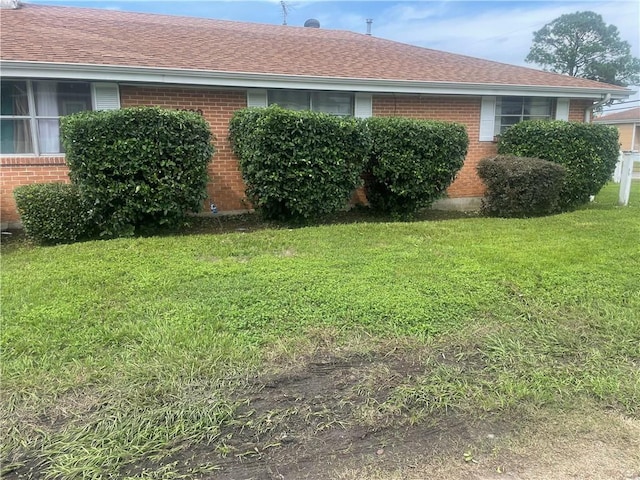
[589, 152]
[140, 167]
[520, 187]
[412, 162]
[298, 165]
[53, 213]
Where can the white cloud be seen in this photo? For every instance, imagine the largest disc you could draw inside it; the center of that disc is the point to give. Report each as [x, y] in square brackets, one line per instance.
[501, 32]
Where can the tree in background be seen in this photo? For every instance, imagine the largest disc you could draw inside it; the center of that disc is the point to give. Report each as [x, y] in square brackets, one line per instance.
[581, 44]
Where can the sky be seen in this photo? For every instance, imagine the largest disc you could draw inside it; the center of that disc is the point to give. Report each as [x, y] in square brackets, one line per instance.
[495, 30]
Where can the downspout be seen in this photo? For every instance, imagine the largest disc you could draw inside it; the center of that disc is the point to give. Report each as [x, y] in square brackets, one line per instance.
[588, 111]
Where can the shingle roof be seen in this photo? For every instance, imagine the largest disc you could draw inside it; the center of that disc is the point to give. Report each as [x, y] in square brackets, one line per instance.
[38, 33]
[631, 115]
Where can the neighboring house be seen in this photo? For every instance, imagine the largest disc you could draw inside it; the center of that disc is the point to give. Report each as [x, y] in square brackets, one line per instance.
[628, 125]
[59, 60]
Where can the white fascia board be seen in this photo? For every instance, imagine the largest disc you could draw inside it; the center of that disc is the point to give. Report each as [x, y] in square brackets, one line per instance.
[149, 75]
[617, 122]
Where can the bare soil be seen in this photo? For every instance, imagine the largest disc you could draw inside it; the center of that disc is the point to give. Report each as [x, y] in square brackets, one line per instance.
[319, 420]
[317, 416]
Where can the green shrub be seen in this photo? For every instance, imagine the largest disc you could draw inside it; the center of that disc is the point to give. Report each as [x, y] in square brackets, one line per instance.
[588, 151]
[53, 213]
[520, 187]
[412, 162]
[138, 167]
[298, 165]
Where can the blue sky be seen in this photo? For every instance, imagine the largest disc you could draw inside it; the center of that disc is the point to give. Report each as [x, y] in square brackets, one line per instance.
[496, 30]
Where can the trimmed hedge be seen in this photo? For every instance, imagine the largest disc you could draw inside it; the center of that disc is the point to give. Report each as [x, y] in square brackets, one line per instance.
[521, 187]
[53, 213]
[412, 162]
[298, 165]
[588, 151]
[138, 167]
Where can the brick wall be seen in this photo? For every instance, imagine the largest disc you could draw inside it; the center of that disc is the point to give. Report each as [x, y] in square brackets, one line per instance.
[16, 171]
[465, 110]
[577, 109]
[225, 187]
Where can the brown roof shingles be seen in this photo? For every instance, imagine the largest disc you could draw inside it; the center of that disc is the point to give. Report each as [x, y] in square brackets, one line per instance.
[40, 33]
[632, 115]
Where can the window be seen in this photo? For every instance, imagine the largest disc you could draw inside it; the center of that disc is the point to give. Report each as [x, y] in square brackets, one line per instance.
[511, 110]
[334, 103]
[31, 111]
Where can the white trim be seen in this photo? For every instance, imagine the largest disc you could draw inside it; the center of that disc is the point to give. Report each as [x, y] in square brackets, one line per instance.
[562, 109]
[257, 98]
[35, 134]
[628, 121]
[487, 119]
[363, 105]
[105, 96]
[115, 73]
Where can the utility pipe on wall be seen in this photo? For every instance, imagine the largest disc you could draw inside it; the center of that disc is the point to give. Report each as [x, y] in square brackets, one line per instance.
[588, 111]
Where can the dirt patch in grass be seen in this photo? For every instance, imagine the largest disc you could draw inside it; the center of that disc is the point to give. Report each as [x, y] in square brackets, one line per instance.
[329, 417]
[307, 420]
[334, 413]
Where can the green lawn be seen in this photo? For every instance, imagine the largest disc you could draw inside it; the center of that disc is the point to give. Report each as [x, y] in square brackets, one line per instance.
[125, 350]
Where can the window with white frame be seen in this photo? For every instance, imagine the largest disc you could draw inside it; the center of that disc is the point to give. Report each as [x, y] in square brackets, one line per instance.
[334, 103]
[30, 113]
[512, 110]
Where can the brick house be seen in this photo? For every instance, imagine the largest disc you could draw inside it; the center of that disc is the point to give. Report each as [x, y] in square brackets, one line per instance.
[628, 125]
[59, 60]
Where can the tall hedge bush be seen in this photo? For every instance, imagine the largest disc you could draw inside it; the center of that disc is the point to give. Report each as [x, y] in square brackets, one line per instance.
[520, 187]
[138, 167]
[589, 152]
[412, 162]
[53, 213]
[298, 165]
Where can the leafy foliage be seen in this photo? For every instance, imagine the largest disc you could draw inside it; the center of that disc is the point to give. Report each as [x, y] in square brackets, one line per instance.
[52, 212]
[412, 162]
[298, 165]
[520, 187]
[138, 167]
[588, 151]
[581, 44]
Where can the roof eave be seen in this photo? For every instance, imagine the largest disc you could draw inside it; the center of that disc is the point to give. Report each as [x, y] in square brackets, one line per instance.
[152, 75]
[618, 122]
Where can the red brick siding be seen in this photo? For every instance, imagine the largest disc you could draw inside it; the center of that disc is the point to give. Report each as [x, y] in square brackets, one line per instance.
[225, 186]
[16, 171]
[465, 110]
[577, 109]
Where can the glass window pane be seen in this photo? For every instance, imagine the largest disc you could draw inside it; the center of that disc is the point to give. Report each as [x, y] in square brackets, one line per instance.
[74, 97]
[511, 110]
[511, 106]
[49, 135]
[14, 98]
[506, 122]
[46, 95]
[334, 103]
[15, 136]
[289, 99]
[539, 107]
[61, 98]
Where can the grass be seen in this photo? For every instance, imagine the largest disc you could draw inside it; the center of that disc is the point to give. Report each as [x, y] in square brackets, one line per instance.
[121, 352]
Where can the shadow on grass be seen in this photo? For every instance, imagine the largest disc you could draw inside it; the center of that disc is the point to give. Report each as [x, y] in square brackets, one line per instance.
[251, 222]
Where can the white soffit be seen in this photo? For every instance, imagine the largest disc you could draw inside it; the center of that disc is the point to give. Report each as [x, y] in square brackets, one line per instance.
[114, 73]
